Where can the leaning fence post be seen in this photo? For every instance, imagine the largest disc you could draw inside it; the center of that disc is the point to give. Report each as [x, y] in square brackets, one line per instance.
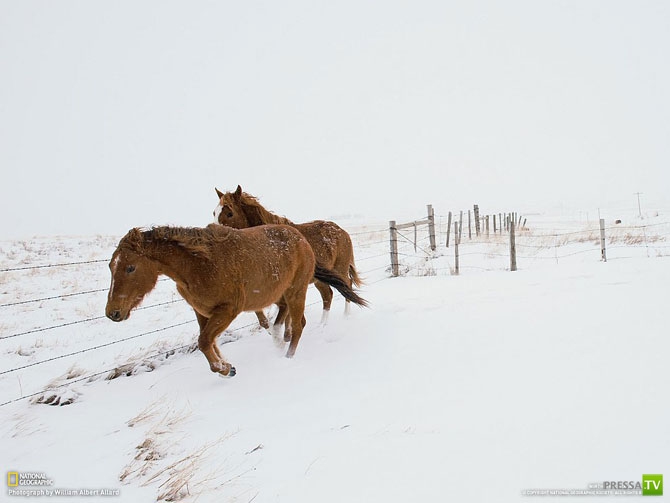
[512, 246]
[394, 248]
[603, 252]
[448, 228]
[456, 240]
[431, 226]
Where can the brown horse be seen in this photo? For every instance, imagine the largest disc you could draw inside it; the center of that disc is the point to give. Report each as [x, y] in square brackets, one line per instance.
[220, 272]
[331, 244]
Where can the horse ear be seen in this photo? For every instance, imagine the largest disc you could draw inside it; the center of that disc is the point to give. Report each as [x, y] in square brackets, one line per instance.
[218, 193]
[238, 192]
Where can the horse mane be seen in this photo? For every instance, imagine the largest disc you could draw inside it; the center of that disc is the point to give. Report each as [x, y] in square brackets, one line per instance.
[195, 240]
[257, 215]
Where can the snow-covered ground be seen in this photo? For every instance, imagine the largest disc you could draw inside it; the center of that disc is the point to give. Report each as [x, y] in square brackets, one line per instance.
[470, 387]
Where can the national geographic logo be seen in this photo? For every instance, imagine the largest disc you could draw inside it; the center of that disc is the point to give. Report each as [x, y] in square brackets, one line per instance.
[38, 484]
[28, 479]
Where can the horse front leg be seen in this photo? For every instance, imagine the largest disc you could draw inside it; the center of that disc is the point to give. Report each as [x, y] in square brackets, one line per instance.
[210, 329]
[262, 319]
[296, 307]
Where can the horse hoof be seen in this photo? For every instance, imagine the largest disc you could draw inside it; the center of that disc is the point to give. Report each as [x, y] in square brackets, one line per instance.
[231, 373]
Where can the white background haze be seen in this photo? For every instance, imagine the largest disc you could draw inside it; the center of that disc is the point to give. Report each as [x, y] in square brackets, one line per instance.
[122, 114]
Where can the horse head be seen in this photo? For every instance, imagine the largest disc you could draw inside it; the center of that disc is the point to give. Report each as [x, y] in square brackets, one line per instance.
[133, 276]
[229, 210]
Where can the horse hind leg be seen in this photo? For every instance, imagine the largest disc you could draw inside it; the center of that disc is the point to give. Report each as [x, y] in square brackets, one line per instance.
[327, 297]
[288, 328]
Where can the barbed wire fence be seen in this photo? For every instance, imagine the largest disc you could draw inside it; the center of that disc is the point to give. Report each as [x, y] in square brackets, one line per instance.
[47, 394]
[426, 246]
[505, 241]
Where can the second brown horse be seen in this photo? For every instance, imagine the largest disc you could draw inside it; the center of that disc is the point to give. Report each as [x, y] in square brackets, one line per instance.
[331, 244]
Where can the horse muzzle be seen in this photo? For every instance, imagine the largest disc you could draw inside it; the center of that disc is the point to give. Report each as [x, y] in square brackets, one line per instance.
[116, 315]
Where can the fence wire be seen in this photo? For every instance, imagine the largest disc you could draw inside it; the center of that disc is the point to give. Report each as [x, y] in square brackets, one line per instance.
[632, 237]
[418, 261]
[47, 266]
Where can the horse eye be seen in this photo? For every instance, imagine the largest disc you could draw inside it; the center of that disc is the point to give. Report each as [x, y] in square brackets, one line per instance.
[227, 211]
[130, 268]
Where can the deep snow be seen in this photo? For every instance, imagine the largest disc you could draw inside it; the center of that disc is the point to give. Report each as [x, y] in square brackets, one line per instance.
[472, 388]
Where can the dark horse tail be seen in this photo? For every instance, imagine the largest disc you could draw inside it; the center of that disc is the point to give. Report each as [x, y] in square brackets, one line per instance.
[336, 281]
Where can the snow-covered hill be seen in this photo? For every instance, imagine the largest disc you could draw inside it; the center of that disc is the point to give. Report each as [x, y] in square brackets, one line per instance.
[474, 387]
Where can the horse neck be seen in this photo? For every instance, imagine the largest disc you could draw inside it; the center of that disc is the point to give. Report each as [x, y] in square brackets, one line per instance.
[257, 215]
[172, 259]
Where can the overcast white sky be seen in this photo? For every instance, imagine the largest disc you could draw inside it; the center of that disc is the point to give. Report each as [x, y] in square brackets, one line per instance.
[128, 113]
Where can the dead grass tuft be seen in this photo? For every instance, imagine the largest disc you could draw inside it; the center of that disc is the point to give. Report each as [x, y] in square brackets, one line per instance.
[189, 474]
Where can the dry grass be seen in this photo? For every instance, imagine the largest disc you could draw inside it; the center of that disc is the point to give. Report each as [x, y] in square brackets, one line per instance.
[57, 393]
[158, 460]
[150, 359]
[155, 446]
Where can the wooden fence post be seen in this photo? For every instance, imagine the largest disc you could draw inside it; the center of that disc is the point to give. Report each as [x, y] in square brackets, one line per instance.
[487, 227]
[394, 248]
[460, 227]
[477, 222]
[512, 246]
[469, 226]
[448, 228]
[603, 252]
[415, 236]
[456, 240]
[431, 227]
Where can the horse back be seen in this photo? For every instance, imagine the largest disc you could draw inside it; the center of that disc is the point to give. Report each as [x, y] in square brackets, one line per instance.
[331, 243]
[269, 259]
